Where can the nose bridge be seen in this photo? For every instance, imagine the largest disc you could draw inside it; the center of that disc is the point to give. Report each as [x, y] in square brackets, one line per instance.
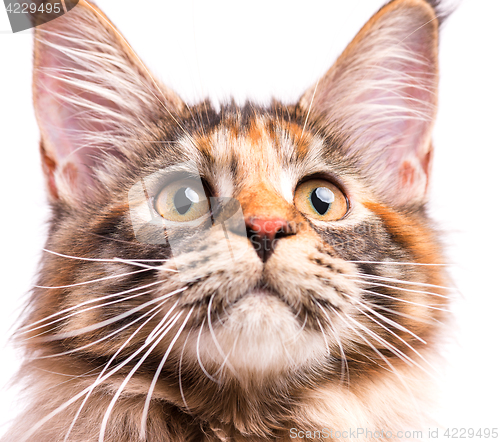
[261, 201]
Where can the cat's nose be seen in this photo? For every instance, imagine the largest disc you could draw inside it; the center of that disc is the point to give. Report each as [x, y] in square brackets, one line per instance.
[264, 233]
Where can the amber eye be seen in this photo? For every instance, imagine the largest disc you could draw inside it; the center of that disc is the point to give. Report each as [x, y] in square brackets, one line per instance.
[321, 199]
[183, 200]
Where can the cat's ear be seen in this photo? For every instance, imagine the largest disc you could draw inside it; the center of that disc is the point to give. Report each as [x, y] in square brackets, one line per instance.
[91, 94]
[378, 101]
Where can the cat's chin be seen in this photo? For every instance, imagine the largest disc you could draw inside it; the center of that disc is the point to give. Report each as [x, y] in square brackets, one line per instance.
[260, 335]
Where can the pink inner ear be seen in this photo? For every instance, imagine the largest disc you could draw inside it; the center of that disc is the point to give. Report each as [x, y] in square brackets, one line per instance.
[74, 119]
[64, 126]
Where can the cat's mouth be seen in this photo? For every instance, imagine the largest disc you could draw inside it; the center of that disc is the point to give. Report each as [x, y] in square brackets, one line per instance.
[262, 292]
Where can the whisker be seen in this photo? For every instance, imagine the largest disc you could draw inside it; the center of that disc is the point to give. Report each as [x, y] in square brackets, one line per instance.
[396, 351]
[140, 264]
[181, 390]
[324, 337]
[379, 284]
[214, 338]
[105, 278]
[406, 301]
[108, 364]
[364, 340]
[107, 415]
[400, 263]
[105, 337]
[296, 335]
[221, 368]
[430, 321]
[401, 281]
[344, 365]
[393, 369]
[88, 389]
[157, 375]
[127, 261]
[79, 312]
[207, 374]
[321, 327]
[90, 301]
[403, 341]
[157, 330]
[389, 321]
[101, 324]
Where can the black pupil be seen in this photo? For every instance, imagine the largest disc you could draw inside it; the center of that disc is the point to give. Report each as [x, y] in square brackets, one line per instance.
[181, 201]
[319, 205]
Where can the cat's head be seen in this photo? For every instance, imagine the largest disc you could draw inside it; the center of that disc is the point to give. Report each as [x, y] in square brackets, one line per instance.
[277, 247]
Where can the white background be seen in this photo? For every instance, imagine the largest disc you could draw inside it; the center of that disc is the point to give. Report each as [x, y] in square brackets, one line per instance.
[262, 48]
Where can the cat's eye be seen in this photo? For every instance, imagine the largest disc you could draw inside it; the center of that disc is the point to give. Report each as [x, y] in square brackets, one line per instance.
[183, 200]
[321, 199]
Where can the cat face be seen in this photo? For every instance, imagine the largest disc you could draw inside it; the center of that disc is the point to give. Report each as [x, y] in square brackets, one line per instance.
[269, 247]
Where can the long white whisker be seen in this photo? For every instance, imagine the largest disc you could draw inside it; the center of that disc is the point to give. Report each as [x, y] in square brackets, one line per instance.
[79, 312]
[379, 284]
[107, 415]
[108, 364]
[91, 387]
[214, 338]
[362, 337]
[404, 342]
[126, 261]
[140, 264]
[405, 301]
[221, 368]
[90, 301]
[105, 337]
[324, 337]
[396, 372]
[181, 390]
[396, 351]
[391, 322]
[296, 335]
[157, 375]
[157, 330]
[343, 365]
[207, 374]
[400, 281]
[404, 315]
[399, 263]
[105, 278]
[113, 319]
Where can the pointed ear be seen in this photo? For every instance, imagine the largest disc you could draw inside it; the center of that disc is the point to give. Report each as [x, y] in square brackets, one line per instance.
[378, 101]
[91, 94]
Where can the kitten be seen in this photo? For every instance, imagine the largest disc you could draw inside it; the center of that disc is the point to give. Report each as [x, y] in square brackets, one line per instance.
[245, 274]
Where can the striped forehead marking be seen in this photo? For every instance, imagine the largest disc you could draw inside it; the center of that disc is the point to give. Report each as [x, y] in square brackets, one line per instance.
[261, 150]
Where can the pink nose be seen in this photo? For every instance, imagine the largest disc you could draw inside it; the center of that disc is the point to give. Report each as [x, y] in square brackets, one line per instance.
[264, 233]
